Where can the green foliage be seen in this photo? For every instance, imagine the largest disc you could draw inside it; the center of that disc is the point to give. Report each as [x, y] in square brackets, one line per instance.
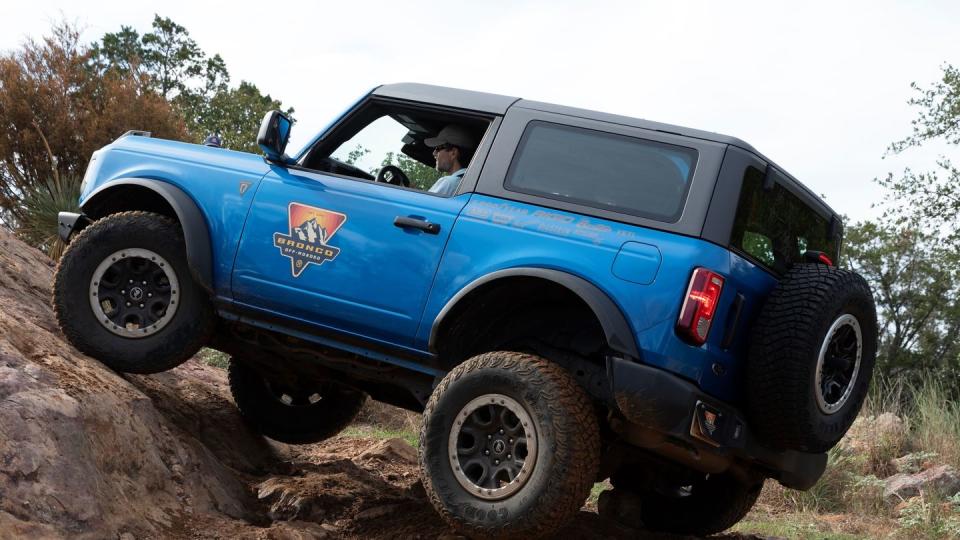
[921, 517]
[39, 208]
[174, 66]
[916, 284]
[215, 358]
[930, 200]
[421, 176]
[233, 113]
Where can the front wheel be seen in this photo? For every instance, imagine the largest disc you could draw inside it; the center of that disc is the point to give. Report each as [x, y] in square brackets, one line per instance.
[509, 446]
[123, 294]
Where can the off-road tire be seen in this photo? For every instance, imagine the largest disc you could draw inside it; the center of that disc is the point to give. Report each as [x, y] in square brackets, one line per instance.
[270, 416]
[782, 362]
[567, 454]
[186, 332]
[714, 504]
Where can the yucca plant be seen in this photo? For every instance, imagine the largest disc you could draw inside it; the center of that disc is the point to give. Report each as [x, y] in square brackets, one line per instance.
[37, 224]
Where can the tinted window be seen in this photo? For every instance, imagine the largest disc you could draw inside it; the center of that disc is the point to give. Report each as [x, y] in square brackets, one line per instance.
[603, 170]
[774, 227]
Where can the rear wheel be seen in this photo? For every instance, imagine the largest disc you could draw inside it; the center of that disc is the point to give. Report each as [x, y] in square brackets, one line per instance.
[123, 294]
[509, 446]
[298, 413]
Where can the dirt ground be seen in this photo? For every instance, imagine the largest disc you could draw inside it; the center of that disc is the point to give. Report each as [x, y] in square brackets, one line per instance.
[87, 453]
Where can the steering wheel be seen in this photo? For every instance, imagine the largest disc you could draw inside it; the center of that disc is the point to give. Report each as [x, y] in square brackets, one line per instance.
[392, 174]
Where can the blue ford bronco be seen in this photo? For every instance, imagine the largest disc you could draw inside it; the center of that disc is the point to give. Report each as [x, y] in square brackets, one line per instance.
[590, 296]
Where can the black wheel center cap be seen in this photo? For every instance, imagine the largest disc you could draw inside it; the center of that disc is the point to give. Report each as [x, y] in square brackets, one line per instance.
[136, 293]
[499, 446]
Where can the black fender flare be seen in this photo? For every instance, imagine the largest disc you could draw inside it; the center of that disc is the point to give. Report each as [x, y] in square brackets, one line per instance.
[615, 326]
[196, 233]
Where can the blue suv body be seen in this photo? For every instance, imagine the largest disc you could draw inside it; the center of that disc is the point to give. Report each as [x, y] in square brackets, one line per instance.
[574, 235]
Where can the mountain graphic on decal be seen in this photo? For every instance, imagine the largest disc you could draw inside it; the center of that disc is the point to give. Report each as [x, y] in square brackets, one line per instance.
[306, 241]
[312, 232]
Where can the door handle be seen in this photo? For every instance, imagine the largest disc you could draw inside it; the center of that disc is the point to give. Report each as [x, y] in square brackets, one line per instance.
[414, 223]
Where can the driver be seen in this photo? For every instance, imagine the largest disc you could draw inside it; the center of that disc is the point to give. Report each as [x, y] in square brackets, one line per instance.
[452, 148]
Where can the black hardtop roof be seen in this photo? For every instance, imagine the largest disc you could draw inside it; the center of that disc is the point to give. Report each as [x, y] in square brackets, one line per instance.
[498, 104]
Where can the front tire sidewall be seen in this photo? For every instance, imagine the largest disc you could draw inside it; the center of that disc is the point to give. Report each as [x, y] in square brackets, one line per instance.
[182, 336]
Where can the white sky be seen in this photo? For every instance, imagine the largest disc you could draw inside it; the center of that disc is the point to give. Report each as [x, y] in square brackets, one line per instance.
[820, 87]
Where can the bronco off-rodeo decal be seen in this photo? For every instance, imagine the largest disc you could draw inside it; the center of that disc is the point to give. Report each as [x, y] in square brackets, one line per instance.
[310, 230]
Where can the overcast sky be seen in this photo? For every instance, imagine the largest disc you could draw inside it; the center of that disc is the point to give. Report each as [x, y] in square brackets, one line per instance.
[819, 87]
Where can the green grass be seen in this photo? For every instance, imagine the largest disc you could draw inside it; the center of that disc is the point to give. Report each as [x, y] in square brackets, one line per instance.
[794, 526]
[377, 432]
[214, 358]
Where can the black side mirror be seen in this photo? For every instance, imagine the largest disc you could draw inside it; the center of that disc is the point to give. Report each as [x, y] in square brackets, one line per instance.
[274, 134]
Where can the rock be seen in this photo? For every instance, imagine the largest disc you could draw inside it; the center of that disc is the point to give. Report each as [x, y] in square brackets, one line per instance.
[943, 480]
[377, 512]
[83, 451]
[392, 450]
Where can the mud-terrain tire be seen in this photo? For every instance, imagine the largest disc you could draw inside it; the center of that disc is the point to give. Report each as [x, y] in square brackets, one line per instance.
[811, 358]
[713, 504]
[292, 417]
[519, 407]
[132, 244]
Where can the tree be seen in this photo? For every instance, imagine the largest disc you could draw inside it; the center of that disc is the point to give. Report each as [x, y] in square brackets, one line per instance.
[930, 199]
[421, 176]
[916, 285]
[55, 114]
[198, 86]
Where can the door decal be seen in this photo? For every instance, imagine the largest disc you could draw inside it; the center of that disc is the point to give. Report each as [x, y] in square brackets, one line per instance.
[310, 229]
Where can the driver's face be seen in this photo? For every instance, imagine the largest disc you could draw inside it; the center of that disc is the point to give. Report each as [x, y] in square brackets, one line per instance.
[445, 156]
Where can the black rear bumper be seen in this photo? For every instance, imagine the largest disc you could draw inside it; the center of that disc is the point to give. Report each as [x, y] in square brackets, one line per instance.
[672, 417]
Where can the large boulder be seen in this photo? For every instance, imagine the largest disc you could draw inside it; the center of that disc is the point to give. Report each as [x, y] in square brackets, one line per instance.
[83, 451]
[942, 480]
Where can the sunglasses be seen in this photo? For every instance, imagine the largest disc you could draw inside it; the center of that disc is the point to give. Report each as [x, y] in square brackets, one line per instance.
[441, 147]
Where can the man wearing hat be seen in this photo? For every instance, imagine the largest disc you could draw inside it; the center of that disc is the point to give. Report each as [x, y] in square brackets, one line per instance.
[452, 148]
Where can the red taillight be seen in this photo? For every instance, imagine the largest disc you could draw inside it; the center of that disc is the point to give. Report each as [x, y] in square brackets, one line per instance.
[699, 306]
[825, 259]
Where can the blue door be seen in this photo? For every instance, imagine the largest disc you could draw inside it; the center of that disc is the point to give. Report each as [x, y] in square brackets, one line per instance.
[342, 253]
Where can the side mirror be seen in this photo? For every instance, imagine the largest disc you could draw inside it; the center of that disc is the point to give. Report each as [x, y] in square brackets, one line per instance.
[274, 134]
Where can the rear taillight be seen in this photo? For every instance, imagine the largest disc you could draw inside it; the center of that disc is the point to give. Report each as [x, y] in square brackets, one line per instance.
[699, 306]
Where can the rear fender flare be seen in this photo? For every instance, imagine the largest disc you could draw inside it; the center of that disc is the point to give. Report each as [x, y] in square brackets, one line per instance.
[615, 326]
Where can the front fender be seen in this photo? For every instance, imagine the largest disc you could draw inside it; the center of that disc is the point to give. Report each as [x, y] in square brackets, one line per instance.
[196, 233]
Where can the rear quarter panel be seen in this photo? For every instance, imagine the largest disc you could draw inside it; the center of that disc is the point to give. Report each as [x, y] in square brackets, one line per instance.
[494, 234]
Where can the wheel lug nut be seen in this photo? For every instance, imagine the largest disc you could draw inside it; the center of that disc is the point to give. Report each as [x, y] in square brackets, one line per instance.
[496, 462]
[123, 291]
[509, 456]
[144, 282]
[486, 452]
[149, 295]
[489, 437]
[501, 432]
[131, 281]
[128, 304]
[510, 441]
[141, 306]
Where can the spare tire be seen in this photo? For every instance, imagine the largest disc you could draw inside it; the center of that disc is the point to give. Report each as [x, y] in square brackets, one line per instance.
[811, 358]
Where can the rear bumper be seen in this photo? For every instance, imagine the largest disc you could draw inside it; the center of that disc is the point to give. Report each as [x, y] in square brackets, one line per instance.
[672, 417]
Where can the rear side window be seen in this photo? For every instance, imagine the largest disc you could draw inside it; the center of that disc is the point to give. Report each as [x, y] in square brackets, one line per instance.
[603, 170]
[774, 227]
